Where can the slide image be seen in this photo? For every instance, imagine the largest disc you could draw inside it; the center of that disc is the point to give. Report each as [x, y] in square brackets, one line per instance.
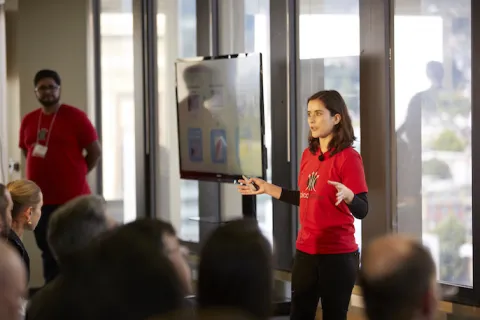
[218, 146]
[195, 145]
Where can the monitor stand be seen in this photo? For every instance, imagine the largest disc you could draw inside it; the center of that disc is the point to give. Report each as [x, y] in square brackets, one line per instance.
[249, 207]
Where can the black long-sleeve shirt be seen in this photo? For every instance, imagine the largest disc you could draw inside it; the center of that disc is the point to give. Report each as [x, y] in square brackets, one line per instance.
[17, 243]
[358, 207]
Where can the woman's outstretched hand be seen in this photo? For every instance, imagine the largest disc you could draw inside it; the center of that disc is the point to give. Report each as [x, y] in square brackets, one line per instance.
[343, 192]
[245, 187]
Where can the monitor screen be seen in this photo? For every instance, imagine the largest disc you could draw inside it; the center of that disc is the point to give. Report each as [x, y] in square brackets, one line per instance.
[220, 117]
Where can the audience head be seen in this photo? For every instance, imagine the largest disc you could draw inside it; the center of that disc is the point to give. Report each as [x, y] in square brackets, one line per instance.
[6, 206]
[126, 274]
[398, 279]
[27, 203]
[163, 234]
[235, 269]
[47, 87]
[75, 224]
[13, 281]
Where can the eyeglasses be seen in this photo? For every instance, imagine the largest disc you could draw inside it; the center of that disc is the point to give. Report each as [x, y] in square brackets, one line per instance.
[47, 88]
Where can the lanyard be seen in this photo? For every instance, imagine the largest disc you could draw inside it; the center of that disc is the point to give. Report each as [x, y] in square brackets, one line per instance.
[49, 130]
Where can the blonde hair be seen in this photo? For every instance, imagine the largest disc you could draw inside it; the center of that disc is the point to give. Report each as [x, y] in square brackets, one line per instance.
[25, 193]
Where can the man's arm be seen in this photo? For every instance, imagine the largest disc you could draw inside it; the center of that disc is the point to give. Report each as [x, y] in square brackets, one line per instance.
[94, 153]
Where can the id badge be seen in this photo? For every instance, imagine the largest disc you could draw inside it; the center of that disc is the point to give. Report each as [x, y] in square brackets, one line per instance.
[40, 151]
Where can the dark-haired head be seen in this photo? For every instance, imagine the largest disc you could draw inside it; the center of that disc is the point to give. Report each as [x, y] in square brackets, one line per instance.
[47, 87]
[126, 274]
[235, 269]
[46, 73]
[330, 121]
[164, 235]
[6, 206]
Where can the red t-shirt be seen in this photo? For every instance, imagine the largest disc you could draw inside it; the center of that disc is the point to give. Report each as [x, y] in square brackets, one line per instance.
[326, 228]
[62, 173]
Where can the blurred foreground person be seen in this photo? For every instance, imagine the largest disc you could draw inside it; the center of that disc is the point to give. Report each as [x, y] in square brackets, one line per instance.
[124, 275]
[13, 282]
[235, 270]
[398, 280]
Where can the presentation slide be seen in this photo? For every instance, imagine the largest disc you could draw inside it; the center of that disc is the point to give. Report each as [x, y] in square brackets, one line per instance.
[220, 117]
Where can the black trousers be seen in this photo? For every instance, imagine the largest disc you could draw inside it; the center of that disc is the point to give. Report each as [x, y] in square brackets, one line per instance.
[50, 267]
[326, 277]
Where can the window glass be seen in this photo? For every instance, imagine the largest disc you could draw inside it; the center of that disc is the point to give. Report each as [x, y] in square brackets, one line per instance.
[333, 66]
[433, 125]
[245, 27]
[176, 38]
[118, 113]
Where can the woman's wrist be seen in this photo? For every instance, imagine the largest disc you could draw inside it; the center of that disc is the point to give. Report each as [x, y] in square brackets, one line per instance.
[273, 190]
[349, 198]
[268, 188]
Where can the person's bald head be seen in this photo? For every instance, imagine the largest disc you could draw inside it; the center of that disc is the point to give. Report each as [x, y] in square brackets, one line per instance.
[13, 282]
[398, 279]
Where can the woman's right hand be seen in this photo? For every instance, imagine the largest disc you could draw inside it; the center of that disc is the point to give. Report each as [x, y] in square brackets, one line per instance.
[245, 189]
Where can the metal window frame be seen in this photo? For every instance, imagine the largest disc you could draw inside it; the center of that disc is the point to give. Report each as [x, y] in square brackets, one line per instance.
[209, 193]
[146, 102]
[97, 78]
[283, 66]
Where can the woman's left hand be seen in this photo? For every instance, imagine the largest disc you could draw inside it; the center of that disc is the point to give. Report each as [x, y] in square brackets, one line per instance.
[343, 193]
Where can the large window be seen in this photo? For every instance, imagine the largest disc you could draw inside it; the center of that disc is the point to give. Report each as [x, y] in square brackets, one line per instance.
[433, 125]
[329, 37]
[118, 113]
[245, 27]
[176, 30]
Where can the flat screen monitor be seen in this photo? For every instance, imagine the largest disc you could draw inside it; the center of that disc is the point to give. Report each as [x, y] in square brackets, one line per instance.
[220, 117]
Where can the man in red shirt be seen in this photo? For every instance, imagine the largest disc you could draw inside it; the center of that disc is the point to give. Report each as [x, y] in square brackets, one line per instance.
[53, 139]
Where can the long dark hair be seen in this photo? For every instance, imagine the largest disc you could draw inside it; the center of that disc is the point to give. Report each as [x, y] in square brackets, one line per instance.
[343, 136]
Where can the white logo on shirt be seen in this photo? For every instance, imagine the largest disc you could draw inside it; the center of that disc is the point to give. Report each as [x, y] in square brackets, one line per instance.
[312, 181]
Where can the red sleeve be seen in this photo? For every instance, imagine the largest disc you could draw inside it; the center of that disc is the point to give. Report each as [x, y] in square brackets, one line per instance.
[352, 173]
[21, 135]
[86, 132]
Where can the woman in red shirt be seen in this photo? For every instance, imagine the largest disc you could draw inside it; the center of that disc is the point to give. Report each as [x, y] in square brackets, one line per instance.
[332, 192]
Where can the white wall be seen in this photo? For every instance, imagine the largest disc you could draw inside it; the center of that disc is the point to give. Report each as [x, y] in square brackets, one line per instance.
[3, 98]
[46, 34]
[13, 92]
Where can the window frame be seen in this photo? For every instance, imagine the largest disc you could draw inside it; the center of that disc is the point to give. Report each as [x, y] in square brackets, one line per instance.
[376, 97]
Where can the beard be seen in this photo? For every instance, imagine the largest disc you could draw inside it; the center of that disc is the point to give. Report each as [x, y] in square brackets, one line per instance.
[48, 102]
